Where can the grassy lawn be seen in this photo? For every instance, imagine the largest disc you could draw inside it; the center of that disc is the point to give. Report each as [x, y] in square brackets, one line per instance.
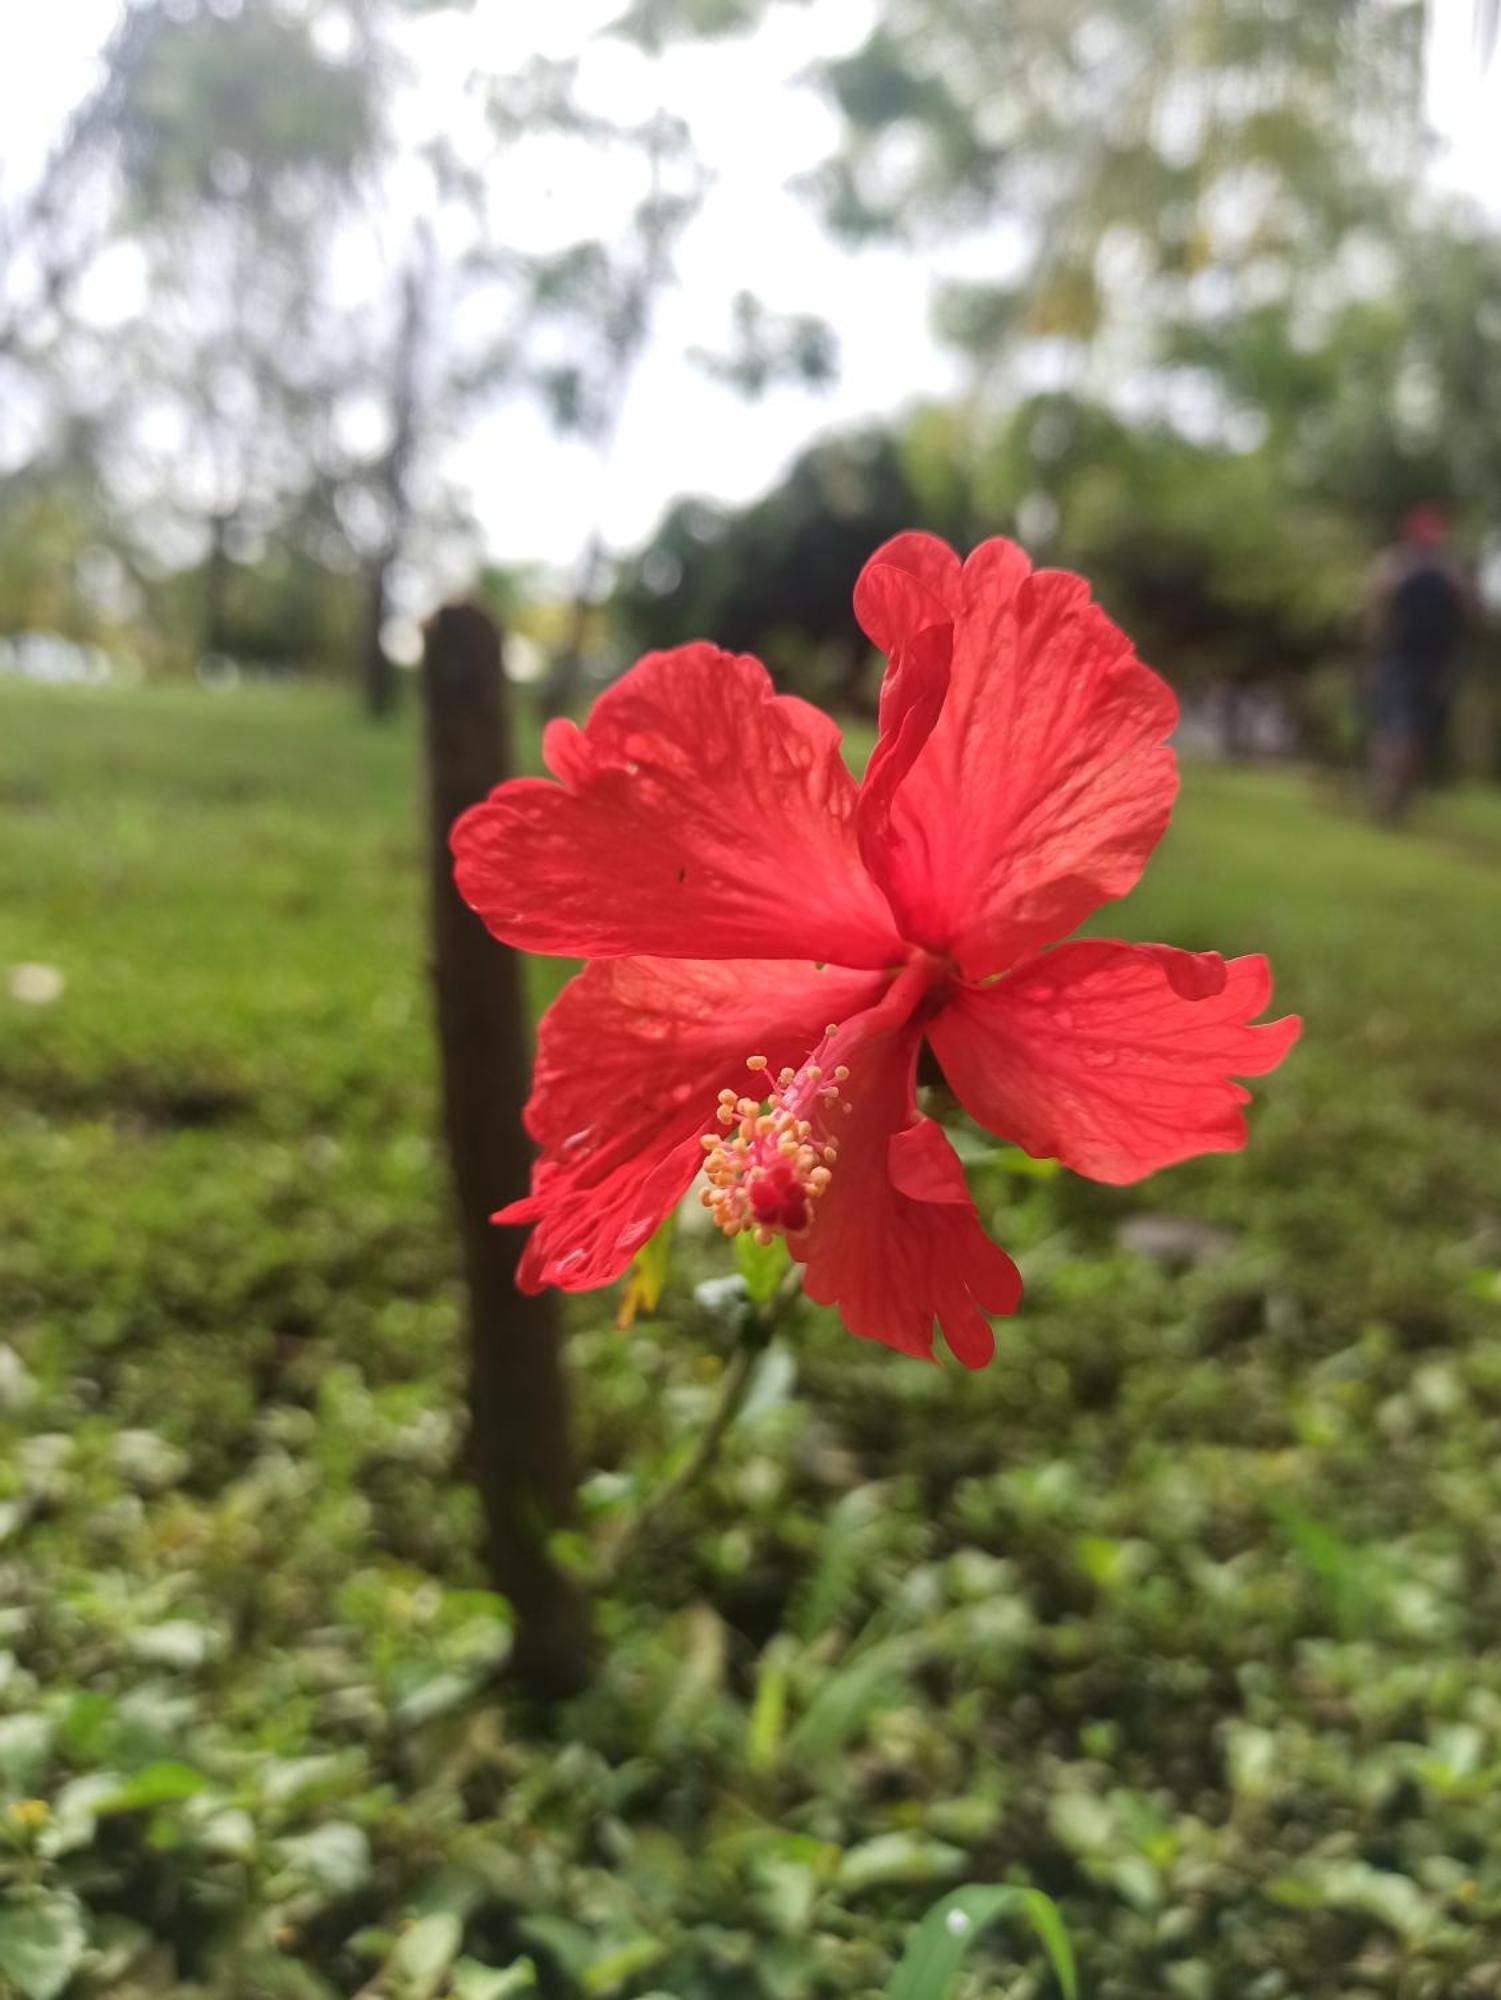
[1188, 1611]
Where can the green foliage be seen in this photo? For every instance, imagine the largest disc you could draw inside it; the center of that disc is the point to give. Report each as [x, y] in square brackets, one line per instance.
[193, 91]
[761, 1265]
[1142, 146]
[653, 23]
[42, 1939]
[775, 576]
[1220, 568]
[1181, 1614]
[944, 1938]
[768, 347]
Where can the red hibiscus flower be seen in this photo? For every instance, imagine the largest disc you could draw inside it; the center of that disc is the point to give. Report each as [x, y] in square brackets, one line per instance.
[770, 943]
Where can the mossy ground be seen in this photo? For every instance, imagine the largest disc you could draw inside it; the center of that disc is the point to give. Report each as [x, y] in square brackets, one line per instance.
[1188, 1611]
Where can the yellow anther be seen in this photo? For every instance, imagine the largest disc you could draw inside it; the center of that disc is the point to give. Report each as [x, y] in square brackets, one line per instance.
[772, 1162]
[841, 1072]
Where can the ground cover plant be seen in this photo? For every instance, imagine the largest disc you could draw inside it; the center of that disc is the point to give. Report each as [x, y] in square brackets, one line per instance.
[1184, 1612]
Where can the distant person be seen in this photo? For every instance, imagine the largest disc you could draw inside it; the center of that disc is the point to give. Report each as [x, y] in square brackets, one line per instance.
[1417, 604]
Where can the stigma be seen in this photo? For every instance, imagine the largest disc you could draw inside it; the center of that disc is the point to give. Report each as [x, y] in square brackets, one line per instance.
[774, 1155]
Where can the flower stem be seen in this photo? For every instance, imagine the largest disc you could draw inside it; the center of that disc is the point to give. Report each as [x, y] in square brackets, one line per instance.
[756, 1332]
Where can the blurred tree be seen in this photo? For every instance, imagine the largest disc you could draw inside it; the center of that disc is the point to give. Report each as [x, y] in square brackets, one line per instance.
[214, 159]
[314, 288]
[1382, 400]
[1131, 165]
[1127, 163]
[1206, 220]
[768, 347]
[1221, 573]
[775, 577]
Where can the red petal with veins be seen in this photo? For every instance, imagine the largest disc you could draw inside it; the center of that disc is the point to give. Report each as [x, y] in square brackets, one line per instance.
[631, 1058]
[912, 581]
[1116, 1059]
[895, 1243]
[1045, 781]
[699, 815]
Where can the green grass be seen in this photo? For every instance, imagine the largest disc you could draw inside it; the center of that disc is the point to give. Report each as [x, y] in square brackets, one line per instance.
[1186, 1613]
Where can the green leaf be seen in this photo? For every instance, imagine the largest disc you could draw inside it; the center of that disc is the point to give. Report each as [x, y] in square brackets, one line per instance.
[41, 1943]
[942, 1941]
[762, 1265]
[768, 1716]
[159, 1784]
[175, 1643]
[773, 1379]
[876, 1677]
[335, 1857]
[898, 1858]
[25, 1750]
[424, 1953]
[473, 1981]
[609, 1973]
[839, 1561]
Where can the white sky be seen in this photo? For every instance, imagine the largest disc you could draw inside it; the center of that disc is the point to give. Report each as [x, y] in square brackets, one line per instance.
[756, 126]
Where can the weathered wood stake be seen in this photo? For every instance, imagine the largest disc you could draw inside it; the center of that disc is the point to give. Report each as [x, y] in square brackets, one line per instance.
[519, 1444]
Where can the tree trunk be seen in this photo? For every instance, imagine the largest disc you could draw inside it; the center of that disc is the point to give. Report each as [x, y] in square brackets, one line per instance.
[519, 1441]
[377, 673]
[214, 624]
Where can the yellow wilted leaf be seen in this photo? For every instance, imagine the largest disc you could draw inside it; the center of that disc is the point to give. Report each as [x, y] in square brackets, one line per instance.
[647, 1276]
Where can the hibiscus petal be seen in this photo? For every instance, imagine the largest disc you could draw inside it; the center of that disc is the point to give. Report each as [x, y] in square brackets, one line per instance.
[912, 697]
[904, 601]
[911, 581]
[699, 815]
[1116, 1059]
[1045, 782]
[631, 1058]
[895, 1242]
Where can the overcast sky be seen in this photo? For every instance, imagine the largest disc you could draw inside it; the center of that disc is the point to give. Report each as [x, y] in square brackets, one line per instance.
[756, 127]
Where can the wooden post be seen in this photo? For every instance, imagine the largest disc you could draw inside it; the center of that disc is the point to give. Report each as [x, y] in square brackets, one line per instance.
[519, 1434]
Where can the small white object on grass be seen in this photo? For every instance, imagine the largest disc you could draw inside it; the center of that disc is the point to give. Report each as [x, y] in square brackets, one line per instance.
[956, 1923]
[36, 985]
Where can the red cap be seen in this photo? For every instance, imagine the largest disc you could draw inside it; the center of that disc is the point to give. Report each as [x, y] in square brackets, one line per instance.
[1425, 526]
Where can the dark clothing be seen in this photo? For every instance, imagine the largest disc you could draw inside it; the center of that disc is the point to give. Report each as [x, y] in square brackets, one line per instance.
[1422, 618]
[1408, 698]
[1425, 609]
